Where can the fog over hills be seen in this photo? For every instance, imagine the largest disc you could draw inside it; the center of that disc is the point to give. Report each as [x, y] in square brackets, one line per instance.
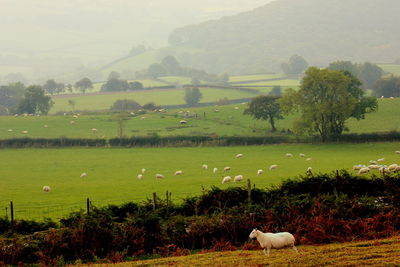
[46, 37]
[321, 31]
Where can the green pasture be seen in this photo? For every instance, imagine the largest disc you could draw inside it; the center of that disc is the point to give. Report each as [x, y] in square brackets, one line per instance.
[176, 79]
[391, 68]
[111, 173]
[285, 82]
[219, 120]
[159, 96]
[254, 77]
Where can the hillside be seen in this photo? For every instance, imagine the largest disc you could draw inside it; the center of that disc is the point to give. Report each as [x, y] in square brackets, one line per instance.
[321, 31]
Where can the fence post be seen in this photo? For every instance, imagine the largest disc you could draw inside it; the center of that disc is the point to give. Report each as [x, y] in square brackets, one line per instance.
[12, 214]
[154, 201]
[337, 173]
[248, 190]
[167, 195]
[88, 206]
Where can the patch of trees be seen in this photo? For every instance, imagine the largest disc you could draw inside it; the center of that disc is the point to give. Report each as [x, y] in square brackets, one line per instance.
[115, 84]
[10, 95]
[52, 87]
[169, 66]
[367, 72]
[192, 96]
[387, 87]
[84, 84]
[296, 66]
[125, 104]
[34, 101]
[326, 100]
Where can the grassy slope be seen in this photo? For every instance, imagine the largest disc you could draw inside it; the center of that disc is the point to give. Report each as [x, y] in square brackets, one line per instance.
[227, 121]
[254, 77]
[160, 97]
[392, 68]
[112, 171]
[383, 252]
[285, 82]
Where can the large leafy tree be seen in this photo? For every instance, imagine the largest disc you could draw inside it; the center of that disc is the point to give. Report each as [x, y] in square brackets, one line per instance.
[296, 65]
[34, 101]
[265, 108]
[326, 99]
[84, 84]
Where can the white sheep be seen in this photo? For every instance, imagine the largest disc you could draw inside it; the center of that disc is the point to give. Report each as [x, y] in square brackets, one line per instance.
[9, 130]
[363, 170]
[309, 171]
[239, 155]
[205, 166]
[143, 170]
[25, 132]
[142, 118]
[383, 170]
[373, 166]
[236, 108]
[302, 155]
[273, 240]
[238, 178]
[226, 179]
[274, 166]
[358, 167]
[259, 172]
[397, 169]
[178, 172]
[46, 126]
[380, 160]
[139, 176]
[72, 122]
[215, 170]
[159, 176]
[397, 152]
[392, 167]
[227, 169]
[373, 162]
[183, 122]
[83, 174]
[308, 159]
[46, 188]
[289, 155]
[75, 116]
[94, 130]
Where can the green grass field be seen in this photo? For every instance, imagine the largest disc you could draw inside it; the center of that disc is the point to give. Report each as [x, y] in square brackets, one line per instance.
[392, 68]
[176, 79]
[160, 97]
[285, 83]
[254, 77]
[111, 172]
[227, 122]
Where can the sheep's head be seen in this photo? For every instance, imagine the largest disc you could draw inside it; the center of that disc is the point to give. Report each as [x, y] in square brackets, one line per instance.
[253, 233]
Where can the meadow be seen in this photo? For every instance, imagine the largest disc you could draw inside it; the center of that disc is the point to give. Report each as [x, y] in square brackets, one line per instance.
[228, 121]
[111, 172]
[381, 252]
[391, 68]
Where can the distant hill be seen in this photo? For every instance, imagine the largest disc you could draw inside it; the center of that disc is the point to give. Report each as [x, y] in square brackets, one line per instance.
[320, 31]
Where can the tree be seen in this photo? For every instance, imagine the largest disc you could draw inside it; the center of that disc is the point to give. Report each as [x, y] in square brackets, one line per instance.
[84, 84]
[387, 87]
[125, 104]
[156, 70]
[34, 101]
[121, 119]
[276, 91]
[50, 86]
[10, 95]
[72, 103]
[135, 85]
[295, 66]
[326, 99]
[171, 65]
[192, 96]
[115, 85]
[265, 108]
[113, 76]
[69, 87]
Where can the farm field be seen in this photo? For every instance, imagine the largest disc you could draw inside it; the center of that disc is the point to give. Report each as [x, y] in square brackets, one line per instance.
[176, 79]
[286, 83]
[381, 252]
[227, 122]
[111, 172]
[256, 77]
[392, 68]
[160, 97]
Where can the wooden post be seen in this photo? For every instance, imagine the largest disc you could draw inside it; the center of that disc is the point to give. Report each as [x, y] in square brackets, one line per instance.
[167, 198]
[88, 206]
[248, 190]
[337, 174]
[154, 201]
[12, 214]
[204, 115]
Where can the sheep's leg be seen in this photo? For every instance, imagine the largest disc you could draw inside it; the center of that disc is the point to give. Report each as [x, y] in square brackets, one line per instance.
[266, 251]
[295, 249]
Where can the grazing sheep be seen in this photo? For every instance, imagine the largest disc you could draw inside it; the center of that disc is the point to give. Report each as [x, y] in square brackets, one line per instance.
[236, 108]
[238, 178]
[216, 110]
[24, 132]
[289, 155]
[373, 167]
[75, 116]
[16, 115]
[83, 174]
[397, 169]
[183, 122]
[46, 188]
[383, 170]
[226, 179]
[178, 172]
[215, 170]
[46, 126]
[9, 130]
[373, 162]
[273, 240]
[363, 170]
[239, 155]
[159, 176]
[72, 122]
[308, 159]
[259, 172]
[380, 160]
[139, 176]
[227, 169]
[143, 170]
[274, 166]
[302, 155]
[309, 171]
[94, 130]
[142, 118]
[358, 167]
[397, 152]
[392, 167]
[205, 166]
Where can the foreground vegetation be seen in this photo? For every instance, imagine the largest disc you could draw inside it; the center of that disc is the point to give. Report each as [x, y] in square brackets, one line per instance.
[320, 209]
[366, 253]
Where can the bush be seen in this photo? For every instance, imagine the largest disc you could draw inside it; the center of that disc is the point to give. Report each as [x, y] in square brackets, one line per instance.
[125, 104]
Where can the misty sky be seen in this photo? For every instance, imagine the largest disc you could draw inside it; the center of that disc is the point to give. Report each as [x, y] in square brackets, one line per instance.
[94, 32]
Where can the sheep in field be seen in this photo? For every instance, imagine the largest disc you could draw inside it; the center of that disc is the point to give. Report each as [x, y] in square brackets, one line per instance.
[140, 176]
[239, 155]
[302, 155]
[83, 174]
[392, 167]
[358, 167]
[178, 172]
[383, 170]
[273, 240]
[308, 159]
[373, 167]
[159, 176]
[215, 170]
[226, 169]
[238, 178]
[309, 171]
[380, 160]
[274, 166]
[46, 188]
[397, 152]
[259, 172]
[205, 166]
[226, 179]
[289, 155]
[363, 170]
[143, 170]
